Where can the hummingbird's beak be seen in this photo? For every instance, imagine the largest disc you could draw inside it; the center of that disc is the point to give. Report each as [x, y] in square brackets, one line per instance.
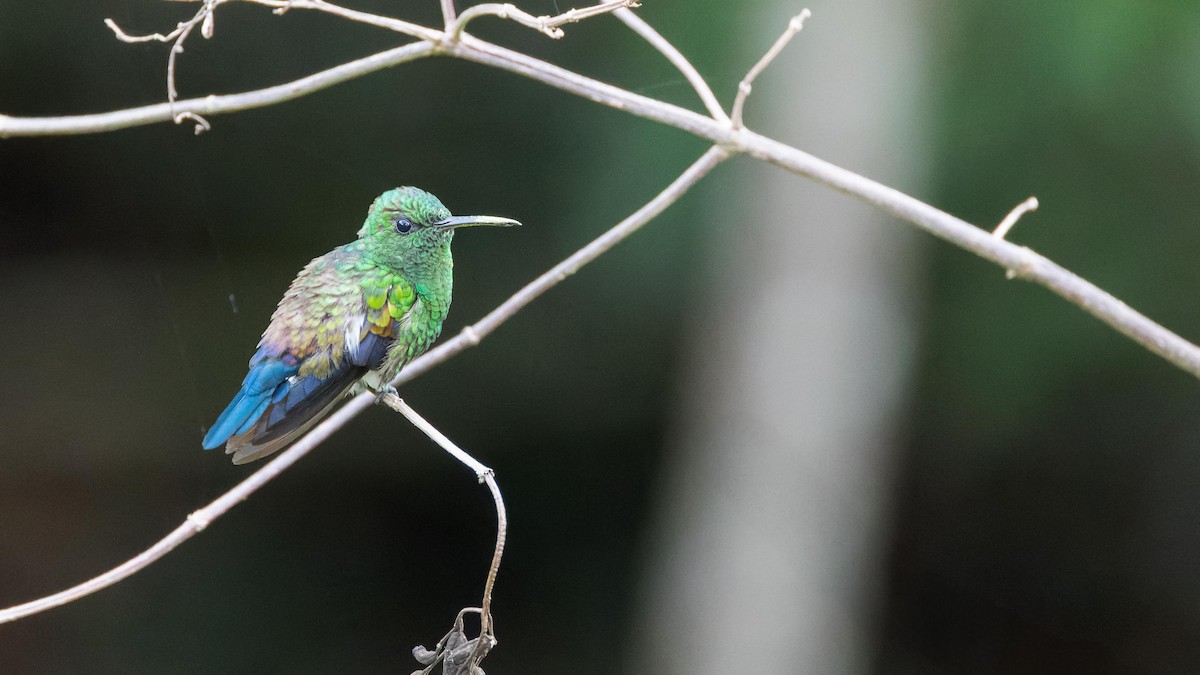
[454, 222]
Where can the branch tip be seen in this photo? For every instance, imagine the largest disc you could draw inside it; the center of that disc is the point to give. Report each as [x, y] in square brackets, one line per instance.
[449, 13]
[546, 25]
[1013, 216]
[208, 26]
[202, 125]
[795, 25]
[153, 37]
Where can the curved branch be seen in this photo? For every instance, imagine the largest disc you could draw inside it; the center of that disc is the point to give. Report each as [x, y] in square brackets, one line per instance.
[212, 105]
[487, 476]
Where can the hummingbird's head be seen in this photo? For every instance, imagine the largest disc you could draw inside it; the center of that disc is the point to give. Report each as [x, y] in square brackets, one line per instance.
[406, 220]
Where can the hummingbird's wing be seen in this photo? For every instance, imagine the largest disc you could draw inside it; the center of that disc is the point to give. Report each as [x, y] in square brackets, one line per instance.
[335, 323]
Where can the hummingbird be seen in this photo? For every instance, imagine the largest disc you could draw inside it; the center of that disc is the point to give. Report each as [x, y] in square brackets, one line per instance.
[349, 322]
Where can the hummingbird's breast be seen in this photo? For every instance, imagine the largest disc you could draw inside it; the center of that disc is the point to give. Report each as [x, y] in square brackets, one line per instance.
[416, 331]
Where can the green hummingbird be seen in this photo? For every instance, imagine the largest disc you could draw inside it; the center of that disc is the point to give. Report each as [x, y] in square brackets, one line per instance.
[349, 322]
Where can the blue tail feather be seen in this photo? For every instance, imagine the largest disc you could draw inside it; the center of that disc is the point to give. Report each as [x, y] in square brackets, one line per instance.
[262, 385]
[272, 405]
[261, 403]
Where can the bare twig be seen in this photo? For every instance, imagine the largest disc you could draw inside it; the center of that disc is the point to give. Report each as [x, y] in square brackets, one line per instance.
[1013, 216]
[487, 626]
[281, 7]
[448, 13]
[202, 125]
[469, 337]
[213, 105]
[152, 37]
[396, 403]
[485, 475]
[794, 26]
[203, 18]
[547, 25]
[504, 11]
[400, 26]
[685, 67]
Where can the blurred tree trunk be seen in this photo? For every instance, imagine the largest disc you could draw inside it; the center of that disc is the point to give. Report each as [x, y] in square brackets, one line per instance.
[767, 553]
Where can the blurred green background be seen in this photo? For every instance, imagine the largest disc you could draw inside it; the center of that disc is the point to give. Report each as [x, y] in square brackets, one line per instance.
[1038, 510]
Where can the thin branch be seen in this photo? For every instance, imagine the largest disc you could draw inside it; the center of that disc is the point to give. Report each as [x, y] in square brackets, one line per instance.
[1013, 216]
[677, 59]
[794, 26]
[448, 13]
[212, 105]
[485, 475]
[398, 25]
[547, 25]
[487, 627]
[469, 337]
[504, 11]
[203, 18]
[175, 51]
[396, 403]
[577, 14]
[152, 37]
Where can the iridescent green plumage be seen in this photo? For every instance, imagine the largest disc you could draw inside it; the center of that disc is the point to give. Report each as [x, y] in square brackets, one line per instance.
[351, 319]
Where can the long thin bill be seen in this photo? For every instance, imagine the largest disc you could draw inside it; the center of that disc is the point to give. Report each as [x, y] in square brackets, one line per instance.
[454, 222]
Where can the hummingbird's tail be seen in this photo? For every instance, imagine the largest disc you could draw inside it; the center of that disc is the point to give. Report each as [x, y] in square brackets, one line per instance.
[303, 404]
[274, 406]
[267, 381]
[248, 447]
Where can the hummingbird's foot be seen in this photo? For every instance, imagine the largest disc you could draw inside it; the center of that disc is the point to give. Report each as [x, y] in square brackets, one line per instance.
[384, 391]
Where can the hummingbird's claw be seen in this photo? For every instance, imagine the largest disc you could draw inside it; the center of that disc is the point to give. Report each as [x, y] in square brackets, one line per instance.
[384, 391]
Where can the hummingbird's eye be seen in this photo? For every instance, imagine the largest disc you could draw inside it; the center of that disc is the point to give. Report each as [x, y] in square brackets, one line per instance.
[403, 225]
